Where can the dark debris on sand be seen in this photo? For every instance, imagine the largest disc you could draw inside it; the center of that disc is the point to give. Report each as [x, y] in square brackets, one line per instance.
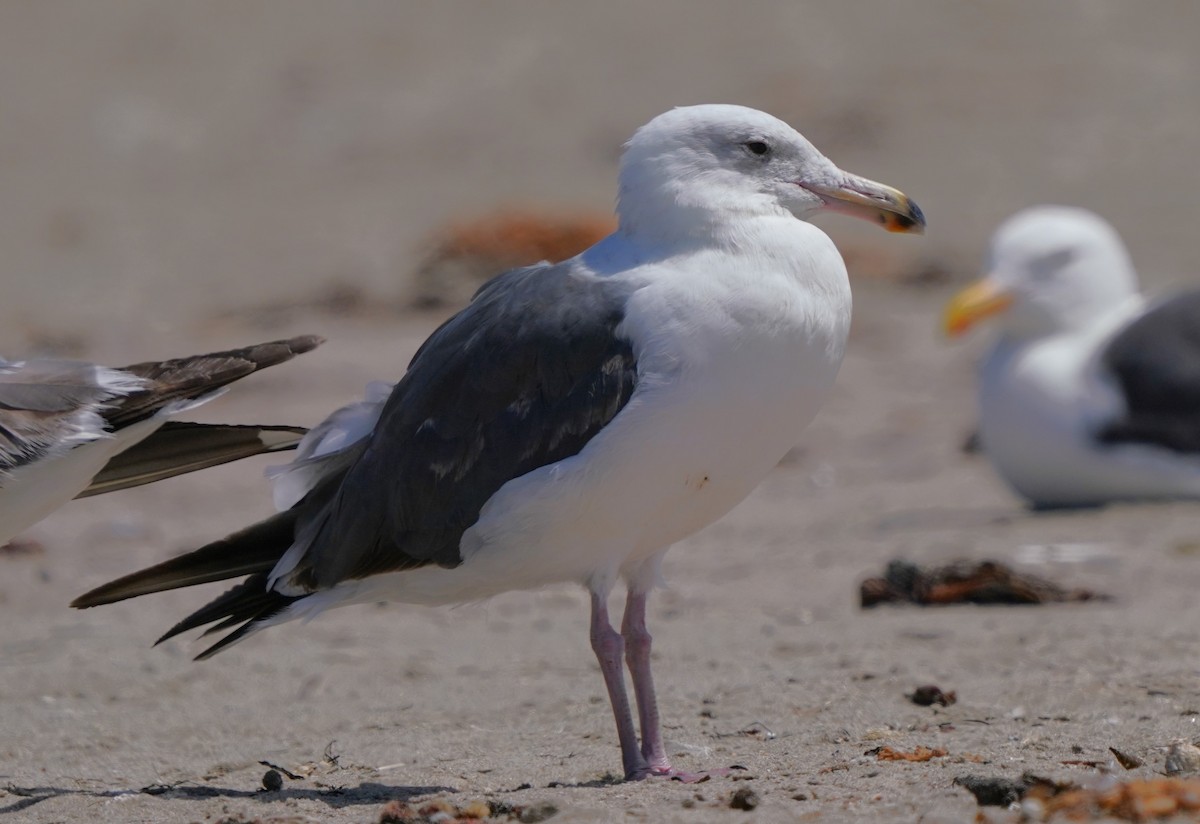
[1042, 799]
[964, 582]
[929, 694]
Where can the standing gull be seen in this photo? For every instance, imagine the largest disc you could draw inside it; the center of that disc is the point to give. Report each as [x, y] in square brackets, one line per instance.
[71, 429]
[576, 419]
[1090, 394]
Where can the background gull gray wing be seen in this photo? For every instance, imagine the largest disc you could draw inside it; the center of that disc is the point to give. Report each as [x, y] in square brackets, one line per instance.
[178, 447]
[1156, 362]
[72, 429]
[48, 406]
[524, 376]
[196, 376]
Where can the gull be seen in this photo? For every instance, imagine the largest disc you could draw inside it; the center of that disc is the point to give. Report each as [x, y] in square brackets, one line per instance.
[576, 419]
[1090, 393]
[70, 429]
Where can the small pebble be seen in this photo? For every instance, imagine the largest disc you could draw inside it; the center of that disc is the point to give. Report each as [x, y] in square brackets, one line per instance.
[272, 781]
[930, 694]
[744, 799]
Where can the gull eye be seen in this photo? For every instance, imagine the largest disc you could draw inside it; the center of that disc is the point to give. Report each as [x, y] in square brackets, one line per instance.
[1047, 266]
[759, 148]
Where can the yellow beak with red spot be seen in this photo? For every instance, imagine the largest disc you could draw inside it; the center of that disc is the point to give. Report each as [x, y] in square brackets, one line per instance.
[978, 301]
[859, 197]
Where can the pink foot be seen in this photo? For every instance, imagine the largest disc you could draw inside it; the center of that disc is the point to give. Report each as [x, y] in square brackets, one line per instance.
[682, 776]
[696, 777]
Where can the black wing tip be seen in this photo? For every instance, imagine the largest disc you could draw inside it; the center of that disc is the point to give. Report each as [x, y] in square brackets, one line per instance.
[244, 608]
[244, 629]
[234, 427]
[109, 593]
[252, 551]
[256, 356]
[270, 353]
[304, 343]
[242, 632]
[291, 346]
[174, 631]
[224, 643]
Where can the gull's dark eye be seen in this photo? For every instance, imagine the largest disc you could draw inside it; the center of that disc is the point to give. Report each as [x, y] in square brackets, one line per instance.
[1047, 266]
[757, 147]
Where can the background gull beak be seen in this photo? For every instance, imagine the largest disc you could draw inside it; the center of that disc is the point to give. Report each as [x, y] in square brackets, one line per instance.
[866, 199]
[980, 300]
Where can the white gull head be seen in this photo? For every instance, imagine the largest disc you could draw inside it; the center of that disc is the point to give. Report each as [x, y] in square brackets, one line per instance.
[697, 170]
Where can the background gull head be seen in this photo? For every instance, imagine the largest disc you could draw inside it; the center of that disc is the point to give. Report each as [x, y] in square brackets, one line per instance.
[1049, 269]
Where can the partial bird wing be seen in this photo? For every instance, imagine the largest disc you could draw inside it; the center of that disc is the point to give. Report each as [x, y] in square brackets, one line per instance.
[179, 447]
[448, 439]
[1155, 362]
[50, 406]
[196, 377]
[401, 496]
[68, 428]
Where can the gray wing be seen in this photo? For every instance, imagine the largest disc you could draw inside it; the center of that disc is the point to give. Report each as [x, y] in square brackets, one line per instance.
[1155, 361]
[522, 377]
[197, 376]
[179, 447]
[48, 406]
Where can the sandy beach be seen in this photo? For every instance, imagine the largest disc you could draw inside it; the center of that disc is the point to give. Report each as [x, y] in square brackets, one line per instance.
[190, 177]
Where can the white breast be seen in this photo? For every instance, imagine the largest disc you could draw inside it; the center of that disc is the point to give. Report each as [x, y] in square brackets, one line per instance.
[1040, 405]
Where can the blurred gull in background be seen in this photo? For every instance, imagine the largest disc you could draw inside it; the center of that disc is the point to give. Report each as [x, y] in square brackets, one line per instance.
[1090, 394]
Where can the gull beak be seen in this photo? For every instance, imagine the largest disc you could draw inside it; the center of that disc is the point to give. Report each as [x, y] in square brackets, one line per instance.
[866, 199]
[974, 303]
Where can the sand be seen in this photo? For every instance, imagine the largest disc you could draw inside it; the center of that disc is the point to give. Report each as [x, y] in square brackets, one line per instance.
[190, 177]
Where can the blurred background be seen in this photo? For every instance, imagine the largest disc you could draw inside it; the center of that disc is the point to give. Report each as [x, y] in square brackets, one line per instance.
[169, 165]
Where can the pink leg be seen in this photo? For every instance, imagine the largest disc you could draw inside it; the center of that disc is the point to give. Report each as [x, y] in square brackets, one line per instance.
[637, 656]
[609, 648]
